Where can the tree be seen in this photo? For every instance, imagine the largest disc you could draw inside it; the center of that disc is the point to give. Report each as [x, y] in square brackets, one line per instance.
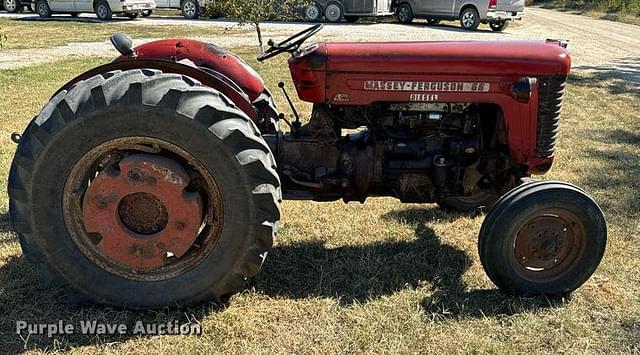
[253, 12]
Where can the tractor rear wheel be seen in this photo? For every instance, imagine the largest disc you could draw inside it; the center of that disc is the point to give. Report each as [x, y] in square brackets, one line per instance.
[157, 188]
[542, 238]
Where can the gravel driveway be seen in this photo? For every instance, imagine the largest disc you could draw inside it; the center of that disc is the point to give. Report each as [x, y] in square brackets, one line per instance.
[594, 43]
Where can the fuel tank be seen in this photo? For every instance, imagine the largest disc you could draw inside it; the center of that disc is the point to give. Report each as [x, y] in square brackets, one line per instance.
[450, 71]
[205, 55]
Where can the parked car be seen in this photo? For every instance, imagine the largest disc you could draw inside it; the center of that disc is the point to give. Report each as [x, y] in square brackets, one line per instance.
[350, 10]
[190, 9]
[17, 5]
[497, 13]
[104, 9]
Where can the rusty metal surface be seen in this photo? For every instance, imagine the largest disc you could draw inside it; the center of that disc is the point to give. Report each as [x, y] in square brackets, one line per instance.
[114, 201]
[548, 244]
[143, 212]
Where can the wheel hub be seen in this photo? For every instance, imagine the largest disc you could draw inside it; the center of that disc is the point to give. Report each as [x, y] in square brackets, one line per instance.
[141, 214]
[544, 243]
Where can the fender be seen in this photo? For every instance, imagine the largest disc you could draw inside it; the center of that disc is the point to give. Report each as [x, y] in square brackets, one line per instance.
[207, 77]
[205, 55]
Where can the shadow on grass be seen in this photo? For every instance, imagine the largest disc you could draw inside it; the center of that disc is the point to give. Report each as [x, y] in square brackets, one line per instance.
[298, 271]
[616, 180]
[619, 77]
[25, 297]
[361, 273]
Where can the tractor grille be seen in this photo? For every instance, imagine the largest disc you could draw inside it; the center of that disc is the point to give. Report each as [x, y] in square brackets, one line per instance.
[550, 94]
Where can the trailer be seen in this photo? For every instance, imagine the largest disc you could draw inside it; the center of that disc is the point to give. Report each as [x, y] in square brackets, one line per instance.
[349, 10]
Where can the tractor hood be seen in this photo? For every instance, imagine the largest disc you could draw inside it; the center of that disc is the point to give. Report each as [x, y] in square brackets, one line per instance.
[320, 66]
[534, 58]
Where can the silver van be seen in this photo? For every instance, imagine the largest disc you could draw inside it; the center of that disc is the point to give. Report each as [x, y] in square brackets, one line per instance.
[471, 13]
[349, 10]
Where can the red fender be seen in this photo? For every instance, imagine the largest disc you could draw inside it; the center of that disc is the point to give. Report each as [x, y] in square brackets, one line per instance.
[205, 55]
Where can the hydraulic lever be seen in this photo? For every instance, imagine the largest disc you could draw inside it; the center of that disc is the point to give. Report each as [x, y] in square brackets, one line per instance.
[295, 126]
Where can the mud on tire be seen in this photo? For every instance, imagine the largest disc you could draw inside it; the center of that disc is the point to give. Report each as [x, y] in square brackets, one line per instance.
[166, 107]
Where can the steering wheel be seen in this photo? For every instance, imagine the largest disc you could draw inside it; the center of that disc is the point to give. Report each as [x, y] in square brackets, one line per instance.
[290, 44]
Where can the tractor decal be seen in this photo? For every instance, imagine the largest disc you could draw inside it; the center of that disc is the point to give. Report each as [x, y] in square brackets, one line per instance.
[375, 85]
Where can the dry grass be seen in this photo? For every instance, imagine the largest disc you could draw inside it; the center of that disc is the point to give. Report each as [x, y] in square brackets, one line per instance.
[382, 277]
[625, 11]
[23, 33]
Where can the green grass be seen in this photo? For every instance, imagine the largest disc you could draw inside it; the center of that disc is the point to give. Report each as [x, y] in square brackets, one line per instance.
[382, 277]
[23, 34]
[627, 11]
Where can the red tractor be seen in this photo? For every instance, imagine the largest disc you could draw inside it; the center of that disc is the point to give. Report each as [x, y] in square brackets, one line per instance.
[157, 179]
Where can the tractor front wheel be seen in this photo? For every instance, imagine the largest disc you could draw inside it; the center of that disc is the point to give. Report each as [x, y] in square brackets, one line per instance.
[143, 189]
[542, 238]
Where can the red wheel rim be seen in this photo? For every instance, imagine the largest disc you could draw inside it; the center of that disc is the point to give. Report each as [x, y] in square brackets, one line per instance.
[142, 208]
[548, 245]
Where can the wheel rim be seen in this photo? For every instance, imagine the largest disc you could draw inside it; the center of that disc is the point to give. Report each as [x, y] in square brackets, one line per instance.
[333, 13]
[102, 11]
[312, 12]
[142, 208]
[189, 9]
[10, 5]
[468, 19]
[548, 245]
[42, 9]
[403, 14]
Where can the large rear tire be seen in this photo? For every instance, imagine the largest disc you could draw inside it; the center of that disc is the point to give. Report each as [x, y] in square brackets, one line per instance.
[542, 238]
[87, 133]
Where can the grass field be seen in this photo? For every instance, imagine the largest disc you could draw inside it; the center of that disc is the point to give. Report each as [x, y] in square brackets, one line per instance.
[23, 33]
[382, 277]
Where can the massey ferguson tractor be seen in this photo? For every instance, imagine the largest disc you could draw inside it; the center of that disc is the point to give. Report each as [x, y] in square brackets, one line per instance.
[157, 179]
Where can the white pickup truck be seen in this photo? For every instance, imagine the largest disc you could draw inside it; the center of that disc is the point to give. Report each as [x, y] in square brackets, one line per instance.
[104, 9]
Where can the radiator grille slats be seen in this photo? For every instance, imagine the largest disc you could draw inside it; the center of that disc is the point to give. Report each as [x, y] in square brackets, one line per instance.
[550, 93]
